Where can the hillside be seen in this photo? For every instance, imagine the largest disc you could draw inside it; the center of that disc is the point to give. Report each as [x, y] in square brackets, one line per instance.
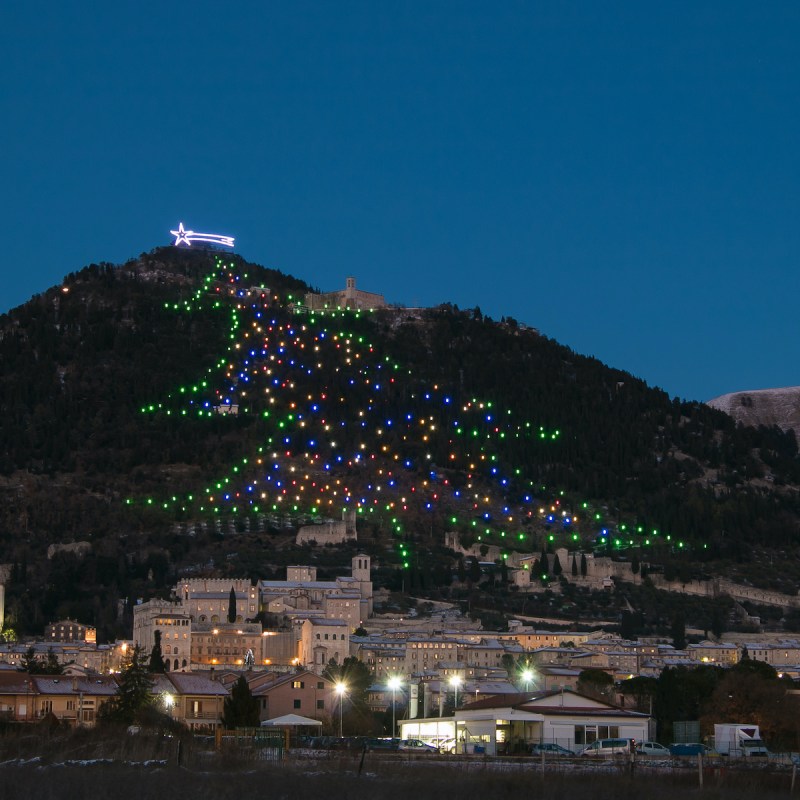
[780, 407]
[184, 413]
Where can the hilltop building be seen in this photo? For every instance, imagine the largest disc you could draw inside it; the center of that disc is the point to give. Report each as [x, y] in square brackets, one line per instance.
[331, 531]
[349, 297]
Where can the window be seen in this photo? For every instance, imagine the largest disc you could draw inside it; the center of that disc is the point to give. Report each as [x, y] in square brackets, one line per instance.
[321, 705]
[586, 734]
[298, 685]
[320, 685]
[297, 703]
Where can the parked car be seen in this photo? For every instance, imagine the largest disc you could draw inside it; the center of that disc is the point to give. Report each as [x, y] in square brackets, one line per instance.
[382, 744]
[416, 746]
[652, 749]
[549, 749]
[691, 749]
[609, 747]
[445, 744]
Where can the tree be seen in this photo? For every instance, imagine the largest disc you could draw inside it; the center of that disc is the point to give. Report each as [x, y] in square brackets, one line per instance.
[574, 566]
[595, 683]
[584, 567]
[52, 666]
[752, 693]
[232, 606]
[240, 709]
[678, 631]
[544, 566]
[635, 565]
[462, 572]
[556, 565]
[29, 663]
[474, 573]
[156, 656]
[134, 691]
[354, 675]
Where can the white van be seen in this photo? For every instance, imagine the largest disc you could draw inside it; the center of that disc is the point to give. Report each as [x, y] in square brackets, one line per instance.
[610, 747]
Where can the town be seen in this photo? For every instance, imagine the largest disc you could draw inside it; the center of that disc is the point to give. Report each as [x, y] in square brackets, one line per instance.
[447, 684]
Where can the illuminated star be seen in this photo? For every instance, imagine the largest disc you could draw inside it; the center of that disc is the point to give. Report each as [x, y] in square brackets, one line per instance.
[182, 235]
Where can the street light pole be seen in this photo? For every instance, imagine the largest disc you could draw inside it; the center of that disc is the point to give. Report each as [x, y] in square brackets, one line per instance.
[455, 681]
[394, 685]
[340, 690]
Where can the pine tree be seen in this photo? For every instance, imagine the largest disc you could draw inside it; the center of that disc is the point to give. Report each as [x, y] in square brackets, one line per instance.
[544, 566]
[156, 656]
[584, 567]
[556, 565]
[240, 709]
[232, 606]
[679, 631]
[474, 574]
[574, 567]
[52, 666]
[134, 691]
[635, 564]
[30, 663]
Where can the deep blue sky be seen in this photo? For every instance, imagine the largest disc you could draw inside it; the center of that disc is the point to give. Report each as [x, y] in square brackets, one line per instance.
[623, 176]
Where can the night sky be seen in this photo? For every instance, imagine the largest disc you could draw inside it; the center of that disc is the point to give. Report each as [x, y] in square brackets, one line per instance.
[623, 176]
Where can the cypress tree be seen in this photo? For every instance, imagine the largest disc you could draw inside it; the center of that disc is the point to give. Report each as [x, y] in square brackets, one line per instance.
[240, 709]
[584, 568]
[232, 606]
[156, 656]
[574, 567]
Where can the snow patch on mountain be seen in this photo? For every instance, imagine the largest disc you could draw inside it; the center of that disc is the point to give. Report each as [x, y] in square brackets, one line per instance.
[779, 407]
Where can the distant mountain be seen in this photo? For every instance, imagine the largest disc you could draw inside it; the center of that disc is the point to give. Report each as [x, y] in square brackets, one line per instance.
[779, 407]
[185, 412]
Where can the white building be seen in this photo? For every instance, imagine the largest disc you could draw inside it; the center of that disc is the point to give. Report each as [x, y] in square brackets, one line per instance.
[323, 640]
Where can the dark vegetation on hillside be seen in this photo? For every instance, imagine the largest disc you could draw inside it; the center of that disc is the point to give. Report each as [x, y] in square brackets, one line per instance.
[78, 363]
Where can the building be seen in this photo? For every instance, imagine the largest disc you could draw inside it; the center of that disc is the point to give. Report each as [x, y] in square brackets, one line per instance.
[175, 626]
[194, 699]
[304, 693]
[302, 592]
[349, 297]
[227, 645]
[67, 630]
[330, 531]
[72, 700]
[208, 599]
[321, 641]
[512, 723]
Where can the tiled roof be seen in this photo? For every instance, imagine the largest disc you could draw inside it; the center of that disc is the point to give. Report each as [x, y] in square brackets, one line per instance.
[195, 683]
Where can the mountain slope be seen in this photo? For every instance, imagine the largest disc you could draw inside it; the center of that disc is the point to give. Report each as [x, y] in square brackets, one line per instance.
[119, 390]
[768, 407]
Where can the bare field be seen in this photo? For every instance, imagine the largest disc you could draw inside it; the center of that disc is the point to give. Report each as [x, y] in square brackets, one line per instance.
[85, 765]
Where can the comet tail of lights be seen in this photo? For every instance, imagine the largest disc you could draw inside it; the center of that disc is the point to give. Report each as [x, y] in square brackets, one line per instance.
[190, 237]
[343, 425]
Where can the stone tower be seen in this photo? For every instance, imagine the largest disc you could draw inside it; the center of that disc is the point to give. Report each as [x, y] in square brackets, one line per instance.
[361, 572]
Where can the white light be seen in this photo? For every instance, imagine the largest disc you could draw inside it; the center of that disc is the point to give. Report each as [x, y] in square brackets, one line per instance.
[395, 683]
[188, 237]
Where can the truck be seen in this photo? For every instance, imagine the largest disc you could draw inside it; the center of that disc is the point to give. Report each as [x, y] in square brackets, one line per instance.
[736, 740]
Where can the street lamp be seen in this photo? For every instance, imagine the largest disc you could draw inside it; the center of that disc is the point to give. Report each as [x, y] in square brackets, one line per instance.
[527, 677]
[340, 689]
[455, 682]
[395, 683]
